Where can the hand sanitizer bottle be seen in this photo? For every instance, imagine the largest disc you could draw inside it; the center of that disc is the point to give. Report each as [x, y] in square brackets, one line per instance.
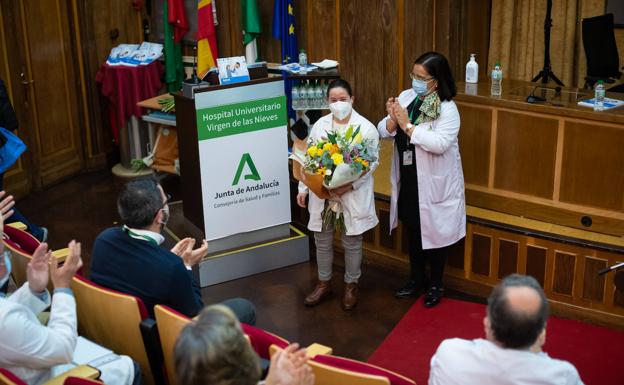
[472, 70]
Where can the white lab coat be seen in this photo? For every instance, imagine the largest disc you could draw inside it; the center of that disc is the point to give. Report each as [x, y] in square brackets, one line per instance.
[358, 204]
[440, 176]
[34, 352]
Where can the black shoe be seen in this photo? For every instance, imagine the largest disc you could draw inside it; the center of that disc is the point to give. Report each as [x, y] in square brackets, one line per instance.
[433, 296]
[411, 290]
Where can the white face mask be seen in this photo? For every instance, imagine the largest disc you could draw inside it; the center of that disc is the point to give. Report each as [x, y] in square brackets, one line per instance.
[340, 109]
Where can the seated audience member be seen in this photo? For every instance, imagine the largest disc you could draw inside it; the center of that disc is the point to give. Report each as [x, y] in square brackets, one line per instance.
[129, 259]
[35, 352]
[515, 329]
[213, 350]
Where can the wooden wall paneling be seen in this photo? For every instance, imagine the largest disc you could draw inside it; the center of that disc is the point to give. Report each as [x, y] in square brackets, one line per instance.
[323, 29]
[603, 221]
[525, 153]
[102, 26]
[349, 36]
[448, 34]
[507, 257]
[386, 239]
[616, 295]
[474, 143]
[418, 35]
[564, 272]
[474, 37]
[481, 253]
[536, 263]
[17, 180]
[593, 284]
[54, 94]
[590, 173]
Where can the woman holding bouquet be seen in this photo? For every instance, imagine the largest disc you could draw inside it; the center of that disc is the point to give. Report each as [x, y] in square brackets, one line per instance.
[352, 203]
[427, 178]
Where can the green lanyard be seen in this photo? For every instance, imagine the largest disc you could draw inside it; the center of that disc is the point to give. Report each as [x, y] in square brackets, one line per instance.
[139, 236]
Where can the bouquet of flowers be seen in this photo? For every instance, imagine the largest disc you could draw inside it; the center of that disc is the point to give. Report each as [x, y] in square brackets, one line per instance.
[331, 162]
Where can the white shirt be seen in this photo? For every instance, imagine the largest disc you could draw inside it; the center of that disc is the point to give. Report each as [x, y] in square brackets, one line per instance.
[458, 361]
[34, 352]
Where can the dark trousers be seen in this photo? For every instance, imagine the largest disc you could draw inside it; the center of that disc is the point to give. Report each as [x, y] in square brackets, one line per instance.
[419, 258]
[244, 310]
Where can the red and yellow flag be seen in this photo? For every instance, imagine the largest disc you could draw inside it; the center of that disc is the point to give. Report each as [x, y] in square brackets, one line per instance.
[206, 38]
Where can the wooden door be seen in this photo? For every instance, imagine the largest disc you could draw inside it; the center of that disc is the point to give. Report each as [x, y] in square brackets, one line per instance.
[40, 64]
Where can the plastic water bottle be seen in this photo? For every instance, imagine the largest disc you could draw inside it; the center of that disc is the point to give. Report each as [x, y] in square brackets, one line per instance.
[295, 97]
[318, 95]
[599, 96]
[303, 97]
[303, 61]
[497, 79]
[472, 70]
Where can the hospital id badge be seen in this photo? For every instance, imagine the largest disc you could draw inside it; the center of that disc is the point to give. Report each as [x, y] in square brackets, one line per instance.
[408, 157]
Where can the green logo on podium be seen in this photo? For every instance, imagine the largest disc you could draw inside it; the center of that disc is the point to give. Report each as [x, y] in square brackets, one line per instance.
[246, 159]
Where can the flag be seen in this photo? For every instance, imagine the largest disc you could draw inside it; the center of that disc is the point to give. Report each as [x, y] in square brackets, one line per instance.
[206, 38]
[284, 29]
[251, 29]
[174, 68]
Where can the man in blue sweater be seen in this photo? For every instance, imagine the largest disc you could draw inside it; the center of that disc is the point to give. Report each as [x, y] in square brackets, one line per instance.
[129, 259]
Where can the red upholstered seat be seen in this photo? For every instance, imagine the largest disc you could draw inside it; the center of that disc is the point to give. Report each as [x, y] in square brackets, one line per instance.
[362, 367]
[261, 340]
[80, 381]
[20, 240]
[8, 378]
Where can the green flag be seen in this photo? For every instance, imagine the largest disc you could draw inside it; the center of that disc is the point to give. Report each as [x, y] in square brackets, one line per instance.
[251, 21]
[174, 68]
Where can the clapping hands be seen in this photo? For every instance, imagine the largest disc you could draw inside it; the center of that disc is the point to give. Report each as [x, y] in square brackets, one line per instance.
[184, 250]
[290, 367]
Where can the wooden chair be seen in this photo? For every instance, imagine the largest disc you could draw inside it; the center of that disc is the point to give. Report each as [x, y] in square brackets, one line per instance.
[22, 245]
[119, 322]
[170, 324]
[335, 370]
[81, 372]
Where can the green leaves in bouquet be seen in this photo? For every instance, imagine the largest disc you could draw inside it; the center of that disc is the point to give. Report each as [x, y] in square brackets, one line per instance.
[332, 138]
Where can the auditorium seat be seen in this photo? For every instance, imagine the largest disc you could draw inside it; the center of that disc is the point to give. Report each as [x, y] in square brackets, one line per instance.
[170, 324]
[119, 322]
[335, 370]
[82, 373]
[22, 244]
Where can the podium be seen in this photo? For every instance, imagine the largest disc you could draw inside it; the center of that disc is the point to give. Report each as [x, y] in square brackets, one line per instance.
[235, 179]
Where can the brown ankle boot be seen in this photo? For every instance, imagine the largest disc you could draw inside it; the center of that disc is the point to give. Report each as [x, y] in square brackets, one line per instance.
[350, 296]
[322, 290]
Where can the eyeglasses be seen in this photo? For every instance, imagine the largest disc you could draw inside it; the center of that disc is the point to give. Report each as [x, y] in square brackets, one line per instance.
[416, 77]
[167, 199]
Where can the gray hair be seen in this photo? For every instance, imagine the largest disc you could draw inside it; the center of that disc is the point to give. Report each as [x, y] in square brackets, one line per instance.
[214, 351]
[514, 329]
[139, 202]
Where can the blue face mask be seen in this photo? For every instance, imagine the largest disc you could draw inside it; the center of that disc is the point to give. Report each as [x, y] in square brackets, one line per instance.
[7, 262]
[420, 87]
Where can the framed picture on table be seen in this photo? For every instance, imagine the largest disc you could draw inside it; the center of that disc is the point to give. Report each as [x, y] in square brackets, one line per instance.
[232, 70]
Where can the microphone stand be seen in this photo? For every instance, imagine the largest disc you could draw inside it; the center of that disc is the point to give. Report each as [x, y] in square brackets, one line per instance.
[546, 73]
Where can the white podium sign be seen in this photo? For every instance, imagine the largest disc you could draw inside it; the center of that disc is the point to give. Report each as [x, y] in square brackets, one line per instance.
[243, 153]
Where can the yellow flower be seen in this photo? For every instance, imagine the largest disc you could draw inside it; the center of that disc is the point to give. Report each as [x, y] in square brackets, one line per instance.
[321, 171]
[334, 149]
[358, 138]
[337, 158]
[327, 147]
[365, 163]
[312, 151]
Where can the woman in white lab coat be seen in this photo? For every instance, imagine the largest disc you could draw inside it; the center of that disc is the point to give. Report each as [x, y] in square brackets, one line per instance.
[427, 178]
[357, 200]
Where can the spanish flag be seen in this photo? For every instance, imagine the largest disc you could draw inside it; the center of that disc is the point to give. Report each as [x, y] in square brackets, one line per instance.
[206, 38]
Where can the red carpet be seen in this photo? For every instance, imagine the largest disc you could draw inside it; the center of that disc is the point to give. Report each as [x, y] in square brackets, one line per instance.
[597, 352]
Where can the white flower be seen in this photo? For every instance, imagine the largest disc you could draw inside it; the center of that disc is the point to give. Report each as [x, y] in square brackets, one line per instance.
[328, 172]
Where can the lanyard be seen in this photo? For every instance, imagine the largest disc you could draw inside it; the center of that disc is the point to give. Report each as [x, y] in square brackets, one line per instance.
[140, 236]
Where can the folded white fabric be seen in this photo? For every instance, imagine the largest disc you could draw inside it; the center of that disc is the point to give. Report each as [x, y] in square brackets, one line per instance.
[326, 64]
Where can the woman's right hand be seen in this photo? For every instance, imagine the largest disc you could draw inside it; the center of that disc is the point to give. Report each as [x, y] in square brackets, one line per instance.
[301, 199]
[389, 107]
